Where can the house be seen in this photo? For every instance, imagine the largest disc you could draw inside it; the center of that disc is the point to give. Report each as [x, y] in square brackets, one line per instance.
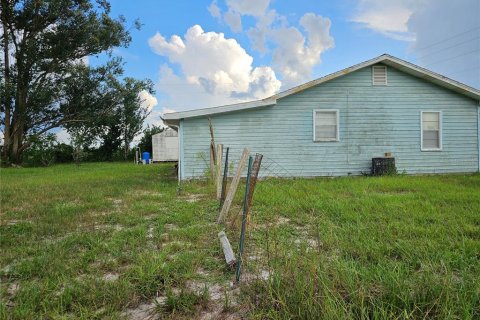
[165, 146]
[335, 125]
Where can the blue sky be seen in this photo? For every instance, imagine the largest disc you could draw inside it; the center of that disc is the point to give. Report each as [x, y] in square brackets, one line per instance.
[270, 45]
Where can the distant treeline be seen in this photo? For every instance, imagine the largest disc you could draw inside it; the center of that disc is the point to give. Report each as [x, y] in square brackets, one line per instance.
[46, 150]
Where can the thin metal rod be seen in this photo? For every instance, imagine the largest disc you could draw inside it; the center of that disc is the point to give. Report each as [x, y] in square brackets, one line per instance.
[244, 221]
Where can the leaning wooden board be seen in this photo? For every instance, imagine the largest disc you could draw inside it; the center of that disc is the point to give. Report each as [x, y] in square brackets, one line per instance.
[233, 186]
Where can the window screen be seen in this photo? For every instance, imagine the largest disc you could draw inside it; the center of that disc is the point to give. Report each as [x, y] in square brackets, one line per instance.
[326, 123]
[431, 130]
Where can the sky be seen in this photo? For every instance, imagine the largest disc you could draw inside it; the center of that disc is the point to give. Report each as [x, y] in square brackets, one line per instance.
[216, 52]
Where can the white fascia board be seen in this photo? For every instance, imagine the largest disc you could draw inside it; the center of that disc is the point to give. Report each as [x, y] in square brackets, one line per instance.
[168, 117]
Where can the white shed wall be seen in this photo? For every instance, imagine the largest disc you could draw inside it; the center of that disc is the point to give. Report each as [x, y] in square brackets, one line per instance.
[165, 146]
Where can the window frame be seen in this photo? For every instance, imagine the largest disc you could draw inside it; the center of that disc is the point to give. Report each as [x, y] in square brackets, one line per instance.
[373, 76]
[337, 136]
[440, 130]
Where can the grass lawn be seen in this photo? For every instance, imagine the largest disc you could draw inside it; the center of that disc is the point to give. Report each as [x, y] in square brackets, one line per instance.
[115, 240]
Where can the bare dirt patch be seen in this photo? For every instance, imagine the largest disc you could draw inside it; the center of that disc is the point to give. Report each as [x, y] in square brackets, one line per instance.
[115, 227]
[144, 311]
[191, 197]
[170, 227]
[110, 277]
[14, 222]
[282, 220]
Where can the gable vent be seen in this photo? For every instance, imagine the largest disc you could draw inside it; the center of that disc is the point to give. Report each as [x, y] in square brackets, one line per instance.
[379, 75]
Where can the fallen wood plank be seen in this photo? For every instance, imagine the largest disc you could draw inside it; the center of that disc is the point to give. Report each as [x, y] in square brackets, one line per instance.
[227, 249]
[233, 186]
[218, 170]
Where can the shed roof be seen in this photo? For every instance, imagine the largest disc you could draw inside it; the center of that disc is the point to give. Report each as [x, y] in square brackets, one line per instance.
[405, 66]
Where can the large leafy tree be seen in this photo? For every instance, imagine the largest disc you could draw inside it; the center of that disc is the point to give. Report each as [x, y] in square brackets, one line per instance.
[123, 121]
[44, 84]
[132, 112]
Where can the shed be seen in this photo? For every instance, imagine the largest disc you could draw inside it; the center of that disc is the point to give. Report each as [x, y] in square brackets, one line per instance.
[165, 146]
[336, 125]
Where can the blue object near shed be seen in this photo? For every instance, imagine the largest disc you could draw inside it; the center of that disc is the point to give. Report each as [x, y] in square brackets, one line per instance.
[146, 157]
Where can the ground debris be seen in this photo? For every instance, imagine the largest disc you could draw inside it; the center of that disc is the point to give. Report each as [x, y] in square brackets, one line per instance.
[13, 289]
[191, 197]
[110, 277]
[144, 311]
[14, 222]
[170, 227]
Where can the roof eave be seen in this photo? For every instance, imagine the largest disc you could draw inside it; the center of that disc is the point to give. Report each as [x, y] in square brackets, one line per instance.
[400, 64]
[176, 116]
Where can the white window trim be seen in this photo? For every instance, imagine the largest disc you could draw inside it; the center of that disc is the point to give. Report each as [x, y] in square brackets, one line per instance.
[373, 76]
[440, 130]
[337, 113]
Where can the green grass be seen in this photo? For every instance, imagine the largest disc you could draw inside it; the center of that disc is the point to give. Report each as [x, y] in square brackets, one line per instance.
[98, 240]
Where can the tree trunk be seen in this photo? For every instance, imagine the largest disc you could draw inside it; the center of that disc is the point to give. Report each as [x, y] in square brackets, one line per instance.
[125, 140]
[8, 99]
[18, 131]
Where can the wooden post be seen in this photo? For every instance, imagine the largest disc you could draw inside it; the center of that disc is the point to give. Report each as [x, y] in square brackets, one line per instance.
[224, 182]
[227, 249]
[244, 222]
[213, 156]
[218, 170]
[254, 176]
[233, 186]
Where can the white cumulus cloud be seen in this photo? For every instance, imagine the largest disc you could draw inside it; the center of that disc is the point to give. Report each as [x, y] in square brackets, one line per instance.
[295, 50]
[238, 8]
[294, 54]
[214, 69]
[387, 17]
[214, 9]
[254, 8]
[233, 20]
[147, 101]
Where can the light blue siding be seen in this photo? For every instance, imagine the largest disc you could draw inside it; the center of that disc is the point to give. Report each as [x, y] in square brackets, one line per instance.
[181, 158]
[373, 120]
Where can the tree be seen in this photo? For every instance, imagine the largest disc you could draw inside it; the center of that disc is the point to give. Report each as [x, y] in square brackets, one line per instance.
[41, 150]
[43, 43]
[132, 113]
[119, 126]
[145, 143]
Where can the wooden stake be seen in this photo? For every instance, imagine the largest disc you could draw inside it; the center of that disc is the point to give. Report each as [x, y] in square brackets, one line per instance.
[233, 186]
[227, 249]
[254, 176]
[224, 182]
[213, 156]
[218, 170]
[244, 222]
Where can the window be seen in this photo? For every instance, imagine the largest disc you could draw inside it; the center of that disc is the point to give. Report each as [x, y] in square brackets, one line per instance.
[379, 75]
[431, 130]
[325, 125]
